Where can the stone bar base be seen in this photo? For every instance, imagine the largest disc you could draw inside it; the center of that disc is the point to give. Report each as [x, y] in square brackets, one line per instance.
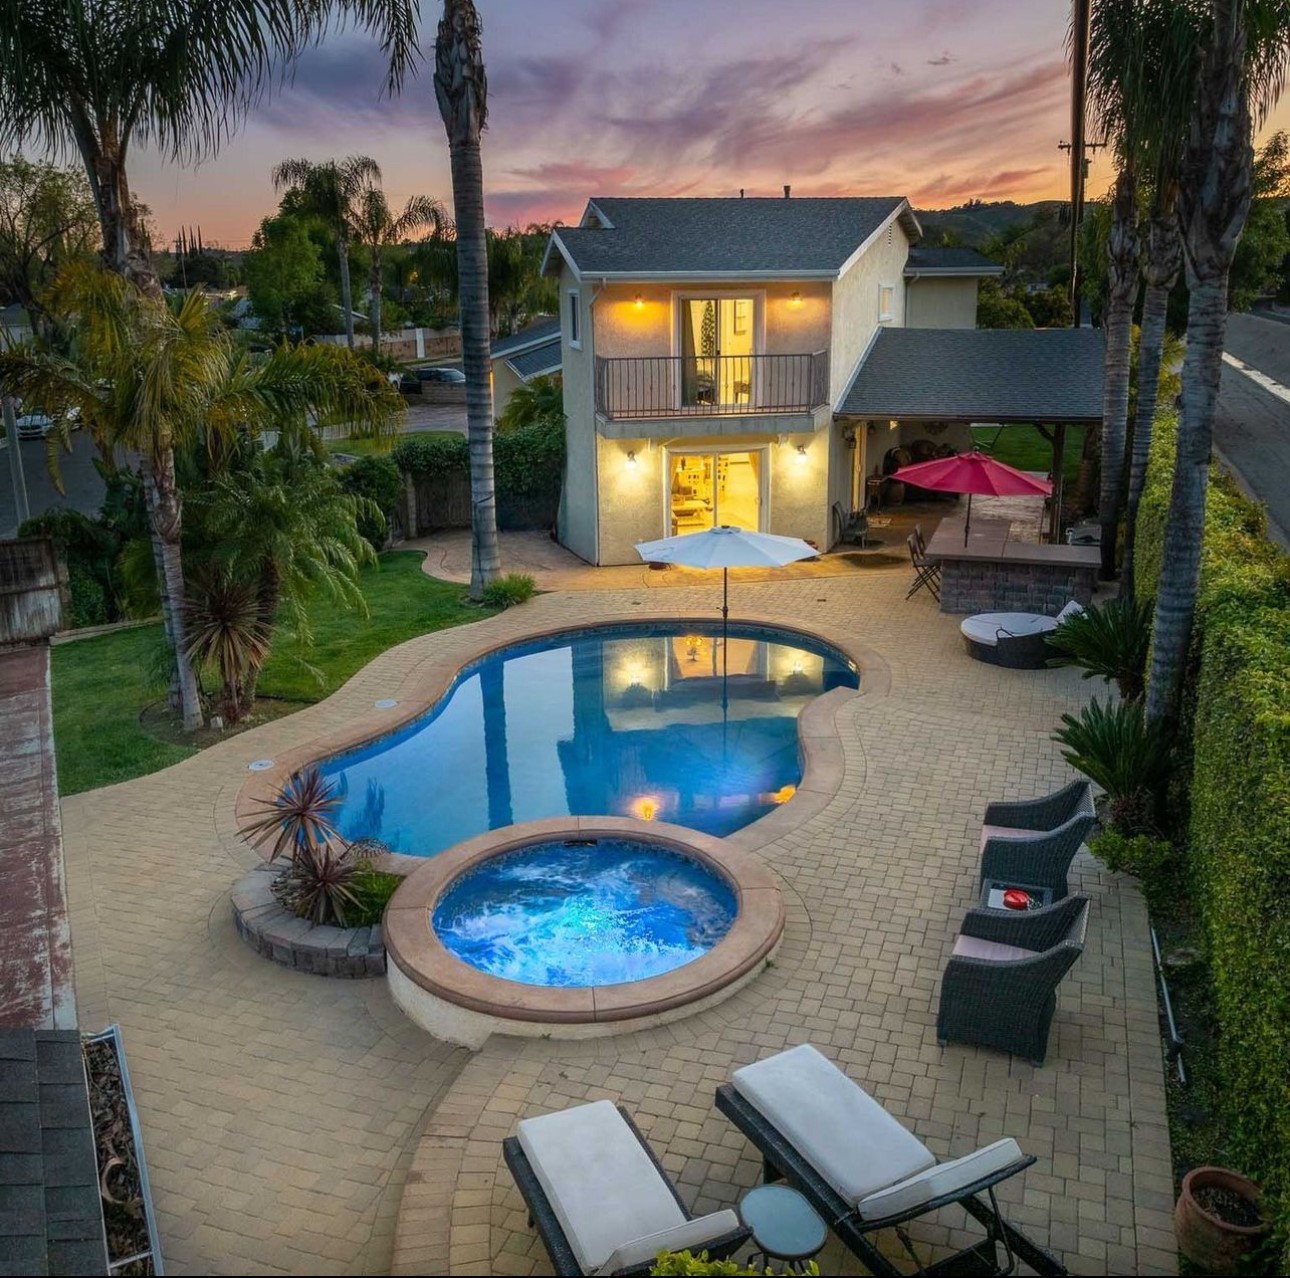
[976, 585]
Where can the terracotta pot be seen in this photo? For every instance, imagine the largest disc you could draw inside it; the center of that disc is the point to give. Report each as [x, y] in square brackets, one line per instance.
[1206, 1240]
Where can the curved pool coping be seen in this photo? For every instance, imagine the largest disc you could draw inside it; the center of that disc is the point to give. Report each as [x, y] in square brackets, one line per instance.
[438, 987]
[822, 758]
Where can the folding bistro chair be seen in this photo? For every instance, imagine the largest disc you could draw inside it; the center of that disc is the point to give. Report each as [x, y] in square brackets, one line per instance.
[926, 573]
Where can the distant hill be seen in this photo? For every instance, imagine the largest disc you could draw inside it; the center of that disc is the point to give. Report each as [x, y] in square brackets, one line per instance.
[976, 222]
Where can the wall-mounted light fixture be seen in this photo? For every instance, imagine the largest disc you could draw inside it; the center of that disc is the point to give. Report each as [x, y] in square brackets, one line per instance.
[631, 461]
[801, 454]
[797, 299]
[640, 301]
[893, 424]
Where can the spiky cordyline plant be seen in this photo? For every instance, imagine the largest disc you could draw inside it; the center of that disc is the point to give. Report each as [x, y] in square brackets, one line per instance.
[301, 815]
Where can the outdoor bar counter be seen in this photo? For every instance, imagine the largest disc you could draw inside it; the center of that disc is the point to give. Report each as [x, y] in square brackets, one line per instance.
[995, 573]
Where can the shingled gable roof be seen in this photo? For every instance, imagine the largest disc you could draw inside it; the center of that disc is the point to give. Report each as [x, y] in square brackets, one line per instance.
[709, 238]
[980, 375]
[949, 261]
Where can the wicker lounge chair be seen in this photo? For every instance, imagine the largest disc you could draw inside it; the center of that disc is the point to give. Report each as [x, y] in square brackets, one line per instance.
[1034, 841]
[601, 1200]
[863, 1171]
[1000, 985]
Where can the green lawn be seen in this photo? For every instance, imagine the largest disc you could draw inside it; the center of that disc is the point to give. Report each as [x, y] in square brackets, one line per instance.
[1026, 449]
[375, 447]
[100, 686]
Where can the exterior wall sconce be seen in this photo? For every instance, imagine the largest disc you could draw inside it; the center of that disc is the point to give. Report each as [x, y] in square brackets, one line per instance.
[631, 461]
[801, 454]
[797, 299]
[640, 302]
[893, 424]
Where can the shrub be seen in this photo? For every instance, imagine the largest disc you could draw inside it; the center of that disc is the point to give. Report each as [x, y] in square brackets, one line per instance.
[377, 479]
[1116, 748]
[372, 890]
[541, 400]
[1110, 642]
[506, 592]
[1152, 861]
[89, 550]
[679, 1263]
[318, 886]
[435, 455]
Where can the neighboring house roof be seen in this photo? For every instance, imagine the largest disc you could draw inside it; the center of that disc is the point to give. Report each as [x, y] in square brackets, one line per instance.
[706, 238]
[982, 375]
[537, 360]
[949, 261]
[539, 331]
[52, 1220]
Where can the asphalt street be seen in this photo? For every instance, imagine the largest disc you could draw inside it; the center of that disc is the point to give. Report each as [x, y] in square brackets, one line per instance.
[84, 487]
[1252, 427]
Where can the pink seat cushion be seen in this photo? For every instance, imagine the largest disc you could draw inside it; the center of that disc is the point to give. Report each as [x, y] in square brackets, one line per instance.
[974, 947]
[1007, 832]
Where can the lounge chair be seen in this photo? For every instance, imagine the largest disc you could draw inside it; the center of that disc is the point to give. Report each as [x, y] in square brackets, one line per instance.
[863, 1171]
[599, 1197]
[1014, 640]
[926, 572]
[1000, 985]
[1034, 841]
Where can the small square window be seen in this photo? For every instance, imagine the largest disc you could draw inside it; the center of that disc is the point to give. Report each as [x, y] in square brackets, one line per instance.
[886, 303]
[575, 331]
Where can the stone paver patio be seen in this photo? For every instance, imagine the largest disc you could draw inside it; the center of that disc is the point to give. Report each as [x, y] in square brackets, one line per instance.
[297, 1124]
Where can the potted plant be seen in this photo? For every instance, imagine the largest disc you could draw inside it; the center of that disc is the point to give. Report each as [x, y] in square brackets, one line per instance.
[1218, 1219]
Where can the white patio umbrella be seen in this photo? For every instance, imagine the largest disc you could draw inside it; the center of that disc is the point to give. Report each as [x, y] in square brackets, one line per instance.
[725, 548]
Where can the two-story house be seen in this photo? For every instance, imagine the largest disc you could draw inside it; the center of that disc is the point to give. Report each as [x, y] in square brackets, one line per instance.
[710, 349]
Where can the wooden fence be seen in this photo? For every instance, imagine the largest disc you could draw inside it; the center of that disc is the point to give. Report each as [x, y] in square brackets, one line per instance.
[33, 590]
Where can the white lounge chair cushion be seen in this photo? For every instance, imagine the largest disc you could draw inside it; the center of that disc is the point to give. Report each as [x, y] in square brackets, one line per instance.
[692, 1236]
[989, 832]
[985, 627]
[833, 1122]
[602, 1185]
[995, 951]
[945, 1179]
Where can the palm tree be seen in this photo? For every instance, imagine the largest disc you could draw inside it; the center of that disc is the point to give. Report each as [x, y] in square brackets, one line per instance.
[462, 93]
[92, 78]
[1115, 63]
[1244, 48]
[378, 229]
[334, 192]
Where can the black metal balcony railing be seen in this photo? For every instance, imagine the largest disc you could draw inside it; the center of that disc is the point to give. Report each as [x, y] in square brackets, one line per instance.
[711, 386]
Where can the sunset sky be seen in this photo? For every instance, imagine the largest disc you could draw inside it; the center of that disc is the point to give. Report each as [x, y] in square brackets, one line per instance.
[939, 100]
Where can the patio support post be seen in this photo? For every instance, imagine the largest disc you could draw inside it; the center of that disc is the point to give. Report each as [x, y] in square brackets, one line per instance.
[1059, 485]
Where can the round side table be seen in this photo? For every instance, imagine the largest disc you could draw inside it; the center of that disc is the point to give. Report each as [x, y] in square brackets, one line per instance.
[785, 1227]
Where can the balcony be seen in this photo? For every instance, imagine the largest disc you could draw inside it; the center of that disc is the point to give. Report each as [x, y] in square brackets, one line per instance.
[710, 386]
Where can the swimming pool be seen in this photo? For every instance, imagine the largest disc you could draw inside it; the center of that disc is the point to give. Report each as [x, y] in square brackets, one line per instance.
[662, 721]
[585, 912]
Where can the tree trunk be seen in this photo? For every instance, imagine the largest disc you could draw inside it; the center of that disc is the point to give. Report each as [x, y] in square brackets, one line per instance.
[1184, 536]
[1122, 291]
[124, 249]
[1151, 340]
[165, 511]
[346, 296]
[472, 274]
[375, 305]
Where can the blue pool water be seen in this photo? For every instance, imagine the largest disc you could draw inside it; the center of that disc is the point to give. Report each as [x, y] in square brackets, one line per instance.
[584, 913]
[659, 722]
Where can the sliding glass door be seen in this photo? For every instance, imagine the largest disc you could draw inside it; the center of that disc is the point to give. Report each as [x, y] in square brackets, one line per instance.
[710, 488]
[717, 348]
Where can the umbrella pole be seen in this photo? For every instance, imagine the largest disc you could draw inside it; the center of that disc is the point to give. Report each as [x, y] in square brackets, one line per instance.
[967, 526]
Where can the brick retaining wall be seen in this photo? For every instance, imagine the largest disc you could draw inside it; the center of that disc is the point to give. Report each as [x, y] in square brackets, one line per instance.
[971, 586]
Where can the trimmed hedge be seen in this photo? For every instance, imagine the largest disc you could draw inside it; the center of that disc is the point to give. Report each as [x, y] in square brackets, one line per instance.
[1239, 831]
[528, 470]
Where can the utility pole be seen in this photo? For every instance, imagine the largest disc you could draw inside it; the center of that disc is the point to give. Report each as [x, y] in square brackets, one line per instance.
[21, 507]
[1080, 22]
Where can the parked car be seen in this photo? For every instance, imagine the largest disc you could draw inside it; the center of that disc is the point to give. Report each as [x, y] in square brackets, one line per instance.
[34, 426]
[410, 384]
[453, 376]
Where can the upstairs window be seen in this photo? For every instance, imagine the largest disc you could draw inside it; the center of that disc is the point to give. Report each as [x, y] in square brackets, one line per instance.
[886, 303]
[575, 330]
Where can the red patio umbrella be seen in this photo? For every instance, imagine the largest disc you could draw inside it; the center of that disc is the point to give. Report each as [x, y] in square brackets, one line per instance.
[973, 472]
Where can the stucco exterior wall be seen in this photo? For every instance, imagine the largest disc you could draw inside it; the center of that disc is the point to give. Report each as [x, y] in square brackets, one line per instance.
[855, 303]
[505, 383]
[577, 520]
[933, 302]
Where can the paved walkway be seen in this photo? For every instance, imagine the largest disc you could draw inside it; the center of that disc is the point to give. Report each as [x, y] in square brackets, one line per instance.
[286, 1116]
[35, 944]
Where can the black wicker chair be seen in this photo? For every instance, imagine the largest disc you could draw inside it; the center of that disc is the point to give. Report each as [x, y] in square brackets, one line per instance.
[1000, 985]
[967, 1182]
[1034, 841]
[719, 1235]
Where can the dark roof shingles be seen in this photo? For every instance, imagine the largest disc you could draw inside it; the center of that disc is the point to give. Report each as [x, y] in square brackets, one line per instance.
[540, 329]
[746, 236]
[927, 258]
[986, 375]
[541, 359]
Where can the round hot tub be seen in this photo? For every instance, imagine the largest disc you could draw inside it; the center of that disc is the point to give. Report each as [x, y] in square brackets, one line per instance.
[599, 927]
